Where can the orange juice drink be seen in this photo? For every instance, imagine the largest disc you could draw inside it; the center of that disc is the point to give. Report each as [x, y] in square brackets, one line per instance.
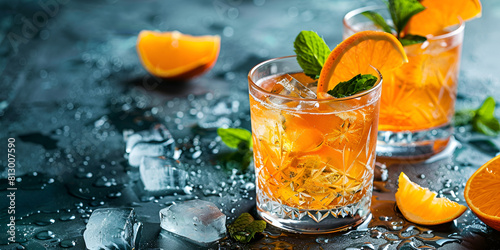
[314, 158]
[418, 98]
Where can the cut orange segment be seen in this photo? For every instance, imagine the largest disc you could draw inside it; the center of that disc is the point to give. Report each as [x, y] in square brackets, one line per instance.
[355, 55]
[440, 14]
[482, 193]
[420, 205]
[173, 55]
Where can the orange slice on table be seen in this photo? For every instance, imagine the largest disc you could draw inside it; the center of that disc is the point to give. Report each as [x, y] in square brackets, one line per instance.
[482, 193]
[440, 14]
[173, 55]
[420, 205]
[355, 55]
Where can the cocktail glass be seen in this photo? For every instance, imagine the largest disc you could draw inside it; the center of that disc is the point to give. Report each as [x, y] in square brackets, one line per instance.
[418, 99]
[314, 158]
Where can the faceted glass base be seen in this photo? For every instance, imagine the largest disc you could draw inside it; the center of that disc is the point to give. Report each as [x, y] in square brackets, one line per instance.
[313, 221]
[413, 145]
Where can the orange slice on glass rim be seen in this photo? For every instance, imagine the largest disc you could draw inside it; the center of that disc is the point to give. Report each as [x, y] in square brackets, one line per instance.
[440, 14]
[355, 55]
[176, 56]
[420, 205]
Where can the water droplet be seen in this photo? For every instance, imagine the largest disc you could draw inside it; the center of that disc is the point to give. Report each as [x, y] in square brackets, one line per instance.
[97, 203]
[321, 240]
[385, 218]
[45, 235]
[45, 222]
[67, 243]
[67, 217]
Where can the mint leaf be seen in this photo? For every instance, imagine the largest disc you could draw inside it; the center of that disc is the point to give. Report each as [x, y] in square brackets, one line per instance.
[378, 20]
[484, 120]
[401, 12]
[357, 84]
[241, 140]
[463, 117]
[233, 137]
[245, 227]
[412, 39]
[239, 159]
[311, 51]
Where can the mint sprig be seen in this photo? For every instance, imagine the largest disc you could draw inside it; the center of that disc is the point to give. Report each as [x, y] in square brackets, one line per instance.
[232, 137]
[378, 20]
[245, 227]
[401, 12]
[241, 140]
[353, 86]
[482, 119]
[311, 51]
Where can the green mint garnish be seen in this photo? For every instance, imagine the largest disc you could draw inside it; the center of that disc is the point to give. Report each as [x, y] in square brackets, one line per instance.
[245, 227]
[311, 51]
[378, 20]
[412, 39]
[233, 137]
[241, 140]
[401, 11]
[357, 84]
[482, 119]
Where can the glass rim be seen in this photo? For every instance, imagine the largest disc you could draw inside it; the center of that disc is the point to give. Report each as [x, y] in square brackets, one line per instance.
[377, 85]
[358, 11]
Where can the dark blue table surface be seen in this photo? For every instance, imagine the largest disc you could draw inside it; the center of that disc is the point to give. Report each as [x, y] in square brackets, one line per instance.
[71, 83]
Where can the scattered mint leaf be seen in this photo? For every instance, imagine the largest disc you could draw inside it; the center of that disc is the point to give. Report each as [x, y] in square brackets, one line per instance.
[241, 140]
[239, 159]
[412, 39]
[245, 227]
[483, 119]
[233, 137]
[357, 84]
[311, 51]
[464, 117]
[378, 20]
[401, 12]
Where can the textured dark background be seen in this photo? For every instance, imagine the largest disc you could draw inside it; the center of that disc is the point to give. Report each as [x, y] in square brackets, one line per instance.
[71, 82]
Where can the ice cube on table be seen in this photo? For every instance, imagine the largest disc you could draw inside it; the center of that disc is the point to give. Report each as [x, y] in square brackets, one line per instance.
[289, 86]
[157, 133]
[199, 221]
[112, 228]
[141, 149]
[163, 175]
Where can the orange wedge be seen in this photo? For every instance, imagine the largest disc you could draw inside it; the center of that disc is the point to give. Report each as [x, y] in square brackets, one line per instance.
[482, 193]
[355, 55]
[440, 14]
[420, 205]
[173, 55]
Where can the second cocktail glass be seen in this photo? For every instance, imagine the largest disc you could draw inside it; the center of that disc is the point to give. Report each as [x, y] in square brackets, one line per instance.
[418, 99]
[314, 158]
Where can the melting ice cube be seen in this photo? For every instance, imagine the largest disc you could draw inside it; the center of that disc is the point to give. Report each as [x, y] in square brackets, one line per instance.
[199, 221]
[141, 149]
[163, 175]
[112, 228]
[158, 133]
[289, 86]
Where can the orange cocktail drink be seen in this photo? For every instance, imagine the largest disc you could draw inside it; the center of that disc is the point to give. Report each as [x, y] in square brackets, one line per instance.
[314, 158]
[418, 98]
